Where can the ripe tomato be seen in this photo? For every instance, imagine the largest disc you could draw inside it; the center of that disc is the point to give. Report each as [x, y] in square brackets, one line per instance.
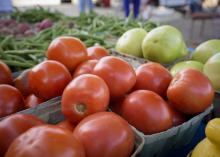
[97, 52]
[11, 100]
[154, 77]
[32, 101]
[85, 67]
[190, 91]
[66, 125]
[48, 79]
[5, 74]
[85, 95]
[14, 125]
[105, 134]
[69, 51]
[117, 73]
[46, 141]
[177, 116]
[22, 83]
[147, 112]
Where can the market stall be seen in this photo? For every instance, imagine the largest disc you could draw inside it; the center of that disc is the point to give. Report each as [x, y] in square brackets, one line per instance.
[95, 85]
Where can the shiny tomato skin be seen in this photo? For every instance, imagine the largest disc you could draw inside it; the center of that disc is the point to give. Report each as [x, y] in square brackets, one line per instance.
[85, 95]
[5, 74]
[97, 52]
[190, 92]
[66, 125]
[46, 141]
[85, 67]
[32, 101]
[11, 100]
[22, 83]
[69, 51]
[105, 134]
[147, 112]
[14, 125]
[48, 79]
[154, 77]
[117, 73]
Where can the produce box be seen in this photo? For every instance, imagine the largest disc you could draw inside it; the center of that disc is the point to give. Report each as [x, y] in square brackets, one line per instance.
[136, 61]
[157, 145]
[217, 105]
[50, 112]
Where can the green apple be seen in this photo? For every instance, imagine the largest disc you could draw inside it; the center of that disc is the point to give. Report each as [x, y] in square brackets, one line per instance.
[212, 70]
[130, 42]
[205, 50]
[164, 44]
[185, 65]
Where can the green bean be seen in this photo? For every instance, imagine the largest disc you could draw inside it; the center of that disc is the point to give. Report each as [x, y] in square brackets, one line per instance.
[18, 64]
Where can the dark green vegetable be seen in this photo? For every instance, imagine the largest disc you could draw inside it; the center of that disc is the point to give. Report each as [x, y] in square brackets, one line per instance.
[91, 29]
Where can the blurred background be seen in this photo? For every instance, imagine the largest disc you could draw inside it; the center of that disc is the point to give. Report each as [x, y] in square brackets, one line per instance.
[197, 22]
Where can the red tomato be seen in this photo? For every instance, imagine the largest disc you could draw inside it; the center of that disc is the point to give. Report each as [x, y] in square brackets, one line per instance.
[48, 79]
[22, 83]
[66, 125]
[97, 52]
[5, 74]
[32, 101]
[105, 134]
[14, 125]
[147, 112]
[117, 73]
[85, 95]
[190, 92]
[85, 67]
[11, 100]
[177, 116]
[46, 141]
[69, 51]
[154, 77]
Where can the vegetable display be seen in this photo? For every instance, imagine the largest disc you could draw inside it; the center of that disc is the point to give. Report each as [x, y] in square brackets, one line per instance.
[92, 29]
[101, 97]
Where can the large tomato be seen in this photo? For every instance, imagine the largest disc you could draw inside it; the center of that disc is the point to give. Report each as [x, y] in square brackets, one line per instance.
[69, 51]
[97, 52]
[13, 126]
[85, 95]
[117, 73]
[22, 83]
[85, 67]
[46, 141]
[48, 79]
[190, 91]
[153, 76]
[147, 112]
[11, 100]
[32, 101]
[105, 134]
[5, 74]
[66, 125]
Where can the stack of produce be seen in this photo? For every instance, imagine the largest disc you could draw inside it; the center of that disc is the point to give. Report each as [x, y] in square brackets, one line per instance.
[210, 146]
[25, 52]
[90, 81]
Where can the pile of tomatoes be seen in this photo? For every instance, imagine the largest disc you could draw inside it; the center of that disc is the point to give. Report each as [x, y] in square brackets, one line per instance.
[90, 81]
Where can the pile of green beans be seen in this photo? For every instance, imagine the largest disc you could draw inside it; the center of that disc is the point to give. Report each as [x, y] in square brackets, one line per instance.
[92, 29]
